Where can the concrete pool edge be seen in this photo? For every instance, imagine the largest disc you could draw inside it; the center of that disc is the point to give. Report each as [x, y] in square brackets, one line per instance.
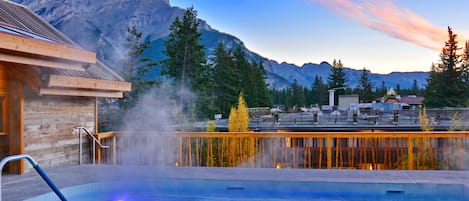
[20, 187]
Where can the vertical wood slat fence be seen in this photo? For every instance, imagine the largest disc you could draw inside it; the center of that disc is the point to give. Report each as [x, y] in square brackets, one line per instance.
[320, 150]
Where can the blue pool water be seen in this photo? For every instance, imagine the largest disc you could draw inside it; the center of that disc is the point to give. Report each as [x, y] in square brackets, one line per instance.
[211, 190]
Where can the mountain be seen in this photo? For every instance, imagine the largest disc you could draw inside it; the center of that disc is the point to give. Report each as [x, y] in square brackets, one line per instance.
[101, 26]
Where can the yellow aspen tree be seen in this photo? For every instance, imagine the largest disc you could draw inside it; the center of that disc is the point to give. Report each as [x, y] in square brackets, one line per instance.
[242, 114]
[425, 122]
[424, 157]
[233, 120]
[239, 117]
[211, 127]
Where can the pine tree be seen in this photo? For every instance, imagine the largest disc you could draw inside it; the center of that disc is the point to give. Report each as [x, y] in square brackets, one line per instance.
[246, 74]
[297, 95]
[226, 81]
[415, 88]
[445, 87]
[262, 95]
[337, 78]
[319, 91]
[381, 91]
[365, 88]
[135, 69]
[186, 63]
[465, 73]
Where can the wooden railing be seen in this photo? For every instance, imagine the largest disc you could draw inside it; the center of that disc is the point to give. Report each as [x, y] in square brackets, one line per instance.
[338, 150]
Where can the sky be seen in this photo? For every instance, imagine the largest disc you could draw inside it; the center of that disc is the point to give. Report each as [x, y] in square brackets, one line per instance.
[380, 35]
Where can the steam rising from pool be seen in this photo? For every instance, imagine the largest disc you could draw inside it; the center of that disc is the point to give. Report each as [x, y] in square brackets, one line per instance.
[149, 131]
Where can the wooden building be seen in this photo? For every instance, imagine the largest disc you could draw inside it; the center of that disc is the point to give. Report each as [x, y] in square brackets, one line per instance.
[48, 86]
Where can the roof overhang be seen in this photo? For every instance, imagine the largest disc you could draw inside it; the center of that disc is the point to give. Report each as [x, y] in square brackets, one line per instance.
[37, 61]
[87, 83]
[44, 48]
[77, 86]
[23, 54]
[79, 92]
[68, 85]
[44, 59]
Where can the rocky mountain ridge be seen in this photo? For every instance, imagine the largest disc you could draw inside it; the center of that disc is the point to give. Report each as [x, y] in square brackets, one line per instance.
[101, 26]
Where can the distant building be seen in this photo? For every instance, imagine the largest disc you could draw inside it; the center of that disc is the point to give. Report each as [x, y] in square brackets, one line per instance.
[413, 101]
[346, 100]
[405, 102]
[391, 97]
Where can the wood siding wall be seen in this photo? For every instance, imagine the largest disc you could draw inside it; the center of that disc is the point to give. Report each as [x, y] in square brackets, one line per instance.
[3, 91]
[50, 136]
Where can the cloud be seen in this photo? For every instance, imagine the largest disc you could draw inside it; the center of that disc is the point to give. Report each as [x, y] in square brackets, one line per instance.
[388, 17]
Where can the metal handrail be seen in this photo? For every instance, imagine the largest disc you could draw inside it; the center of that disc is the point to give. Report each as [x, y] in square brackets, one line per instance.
[95, 141]
[38, 170]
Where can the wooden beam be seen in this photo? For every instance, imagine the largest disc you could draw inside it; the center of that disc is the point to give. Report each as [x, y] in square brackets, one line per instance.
[27, 75]
[329, 152]
[88, 93]
[44, 48]
[96, 117]
[20, 124]
[410, 153]
[87, 83]
[15, 124]
[35, 61]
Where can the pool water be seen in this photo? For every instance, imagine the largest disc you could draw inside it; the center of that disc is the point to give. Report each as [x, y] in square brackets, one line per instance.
[211, 190]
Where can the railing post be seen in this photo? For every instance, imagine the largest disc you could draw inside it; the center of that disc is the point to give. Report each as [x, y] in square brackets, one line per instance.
[251, 150]
[410, 150]
[114, 150]
[80, 141]
[179, 147]
[94, 152]
[95, 142]
[329, 152]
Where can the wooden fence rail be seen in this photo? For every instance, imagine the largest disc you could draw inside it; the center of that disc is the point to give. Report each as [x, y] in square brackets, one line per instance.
[338, 150]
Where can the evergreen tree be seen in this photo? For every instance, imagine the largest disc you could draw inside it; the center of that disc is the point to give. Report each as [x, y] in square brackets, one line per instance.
[259, 88]
[445, 87]
[186, 63]
[381, 91]
[308, 96]
[246, 75]
[297, 95]
[415, 88]
[135, 69]
[465, 72]
[233, 74]
[252, 79]
[278, 97]
[319, 91]
[398, 88]
[365, 88]
[226, 81]
[337, 79]
[263, 95]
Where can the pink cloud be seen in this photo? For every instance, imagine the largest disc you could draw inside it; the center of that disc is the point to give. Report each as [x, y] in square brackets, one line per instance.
[388, 17]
